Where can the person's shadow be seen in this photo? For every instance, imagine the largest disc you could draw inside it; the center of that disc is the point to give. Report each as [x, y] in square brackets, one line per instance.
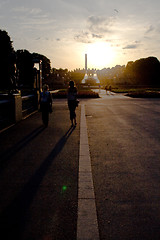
[13, 218]
[9, 153]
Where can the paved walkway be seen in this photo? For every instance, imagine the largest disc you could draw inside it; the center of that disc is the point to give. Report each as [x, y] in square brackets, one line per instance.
[46, 182]
[28, 153]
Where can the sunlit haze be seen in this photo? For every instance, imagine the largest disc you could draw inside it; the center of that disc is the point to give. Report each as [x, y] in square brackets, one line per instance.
[110, 32]
[100, 55]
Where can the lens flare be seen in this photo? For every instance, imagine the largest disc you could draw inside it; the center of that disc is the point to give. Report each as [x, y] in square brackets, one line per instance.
[64, 188]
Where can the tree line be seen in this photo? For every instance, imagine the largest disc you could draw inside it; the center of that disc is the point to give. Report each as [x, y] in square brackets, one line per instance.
[142, 72]
[17, 67]
[145, 71]
[17, 70]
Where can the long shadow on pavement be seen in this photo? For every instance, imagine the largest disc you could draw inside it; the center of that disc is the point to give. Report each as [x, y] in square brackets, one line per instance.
[9, 153]
[13, 218]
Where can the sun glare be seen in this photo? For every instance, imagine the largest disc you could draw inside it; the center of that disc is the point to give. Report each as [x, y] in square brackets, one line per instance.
[100, 55]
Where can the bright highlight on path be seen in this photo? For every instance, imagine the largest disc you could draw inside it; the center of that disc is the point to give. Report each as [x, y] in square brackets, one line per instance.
[87, 226]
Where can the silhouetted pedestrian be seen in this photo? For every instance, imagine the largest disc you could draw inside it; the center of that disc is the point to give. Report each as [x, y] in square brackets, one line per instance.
[45, 104]
[72, 101]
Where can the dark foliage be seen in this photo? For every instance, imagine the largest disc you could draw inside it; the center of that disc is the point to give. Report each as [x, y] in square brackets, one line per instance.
[145, 71]
[46, 65]
[17, 67]
[24, 68]
[7, 61]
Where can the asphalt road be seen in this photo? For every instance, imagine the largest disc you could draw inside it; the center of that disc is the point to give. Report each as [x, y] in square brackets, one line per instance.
[39, 171]
[124, 138]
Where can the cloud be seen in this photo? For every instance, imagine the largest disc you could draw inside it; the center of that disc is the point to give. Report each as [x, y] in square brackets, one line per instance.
[116, 10]
[97, 36]
[96, 28]
[150, 29]
[34, 21]
[83, 37]
[87, 37]
[31, 18]
[131, 46]
[22, 10]
[100, 24]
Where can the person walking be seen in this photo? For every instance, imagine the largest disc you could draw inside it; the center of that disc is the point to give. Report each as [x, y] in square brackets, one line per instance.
[72, 102]
[45, 104]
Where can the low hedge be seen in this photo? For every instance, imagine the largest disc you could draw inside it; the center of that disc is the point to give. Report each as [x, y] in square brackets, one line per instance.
[81, 94]
[143, 94]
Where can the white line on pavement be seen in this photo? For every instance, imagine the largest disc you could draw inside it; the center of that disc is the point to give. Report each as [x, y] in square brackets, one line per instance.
[87, 225]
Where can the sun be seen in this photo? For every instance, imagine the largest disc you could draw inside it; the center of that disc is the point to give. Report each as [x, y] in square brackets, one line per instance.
[100, 55]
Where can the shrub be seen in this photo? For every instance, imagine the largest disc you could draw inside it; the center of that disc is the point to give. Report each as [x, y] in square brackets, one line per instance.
[144, 94]
[81, 94]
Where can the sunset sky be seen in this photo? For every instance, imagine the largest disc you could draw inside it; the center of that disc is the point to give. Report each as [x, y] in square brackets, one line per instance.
[110, 32]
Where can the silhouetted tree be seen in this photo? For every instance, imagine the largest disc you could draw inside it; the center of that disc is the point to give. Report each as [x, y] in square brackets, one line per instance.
[58, 78]
[147, 71]
[144, 71]
[46, 65]
[25, 68]
[7, 61]
[77, 76]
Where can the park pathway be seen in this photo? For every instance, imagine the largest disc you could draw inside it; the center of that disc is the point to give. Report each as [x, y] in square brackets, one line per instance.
[99, 178]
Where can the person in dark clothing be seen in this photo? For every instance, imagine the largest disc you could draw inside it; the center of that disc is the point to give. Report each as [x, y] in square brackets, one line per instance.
[72, 101]
[45, 104]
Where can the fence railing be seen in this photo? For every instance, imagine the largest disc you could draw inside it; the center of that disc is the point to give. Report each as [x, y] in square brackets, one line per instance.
[29, 105]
